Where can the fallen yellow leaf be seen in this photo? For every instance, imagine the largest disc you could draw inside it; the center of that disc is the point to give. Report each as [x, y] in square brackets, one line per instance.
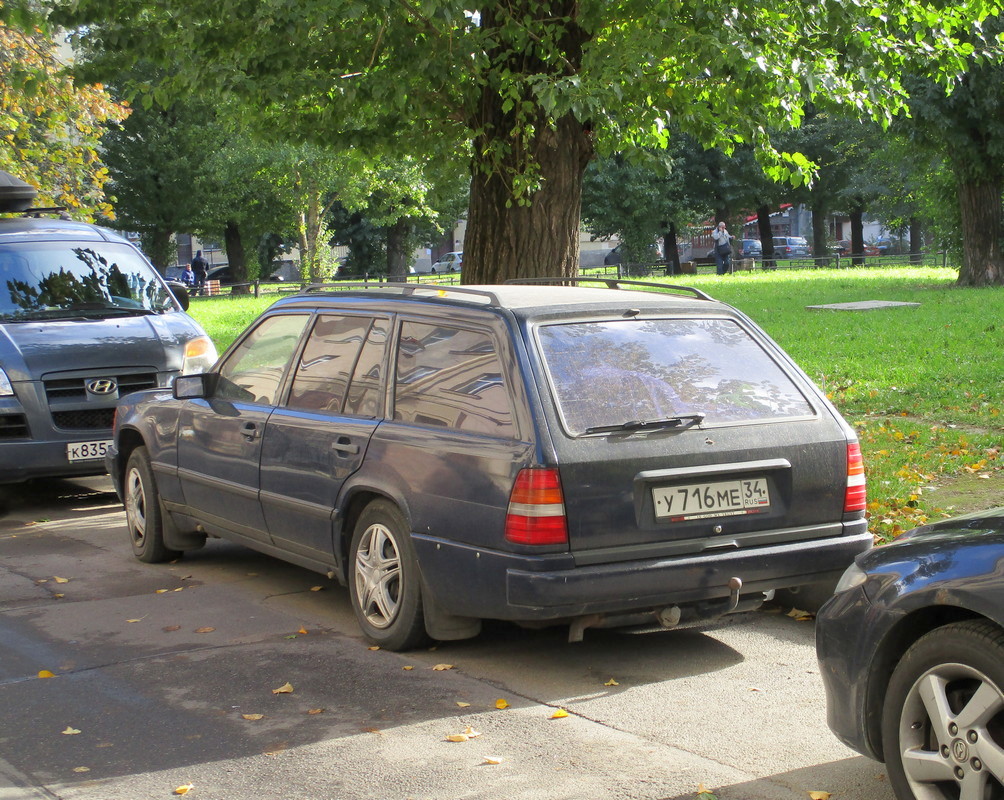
[204, 630]
[819, 795]
[161, 591]
[286, 688]
[81, 769]
[441, 667]
[60, 580]
[317, 588]
[457, 737]
[374, 647]
[315, 711]
[492, 760]
[501, 703]
[559, 714]
[180, 588]
[302, 631]
[252, 717]
[611, 682]
[463, 705]
[59, 595]
[70, 731]
[135, 620]
[46, 674]
[799, 615]
[184, 789]
[408, 667]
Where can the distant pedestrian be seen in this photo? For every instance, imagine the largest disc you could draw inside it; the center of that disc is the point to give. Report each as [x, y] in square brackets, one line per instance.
[723, 249]
[201, 269]
[188, 276]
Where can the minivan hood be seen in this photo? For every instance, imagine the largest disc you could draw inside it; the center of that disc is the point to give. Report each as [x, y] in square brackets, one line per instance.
[30, 350]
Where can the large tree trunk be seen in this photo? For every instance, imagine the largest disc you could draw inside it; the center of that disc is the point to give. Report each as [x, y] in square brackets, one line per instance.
[857, 216]
[766, 236]
[916, 241]
[160, 248]
[819, 248]
[236, 257]
[537, 234]
[397, 249]
[980, 204]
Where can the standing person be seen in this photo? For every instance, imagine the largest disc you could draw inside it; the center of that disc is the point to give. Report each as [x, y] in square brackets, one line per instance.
[723, 248]
[201, 269]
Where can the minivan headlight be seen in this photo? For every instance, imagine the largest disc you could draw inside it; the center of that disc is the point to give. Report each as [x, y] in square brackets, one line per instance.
[200, 355]
[6, 390]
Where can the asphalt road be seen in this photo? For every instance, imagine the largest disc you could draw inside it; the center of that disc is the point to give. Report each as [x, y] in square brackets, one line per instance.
[166, 675]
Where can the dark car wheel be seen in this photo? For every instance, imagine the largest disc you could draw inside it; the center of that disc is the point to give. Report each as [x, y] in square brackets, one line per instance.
[143, 513]
[943, 720]
[384, 582]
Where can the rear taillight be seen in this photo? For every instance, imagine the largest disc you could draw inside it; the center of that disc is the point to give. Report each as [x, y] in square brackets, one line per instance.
[536, 512]
[854, 497]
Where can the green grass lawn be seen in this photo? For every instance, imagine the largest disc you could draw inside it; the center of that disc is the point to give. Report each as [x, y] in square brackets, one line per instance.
[923, 386]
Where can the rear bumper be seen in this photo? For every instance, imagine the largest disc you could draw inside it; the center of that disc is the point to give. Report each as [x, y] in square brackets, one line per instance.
[472, 582]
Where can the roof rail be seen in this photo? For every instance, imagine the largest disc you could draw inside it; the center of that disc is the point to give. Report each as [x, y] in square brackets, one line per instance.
[409, 289]
[613, 283]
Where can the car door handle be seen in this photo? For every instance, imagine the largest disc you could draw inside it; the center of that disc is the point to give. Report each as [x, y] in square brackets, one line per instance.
[344, 445]
[249, 431]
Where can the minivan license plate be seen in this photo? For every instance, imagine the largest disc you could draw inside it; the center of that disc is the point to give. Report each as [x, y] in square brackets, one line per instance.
[87, 451]
[719, 499]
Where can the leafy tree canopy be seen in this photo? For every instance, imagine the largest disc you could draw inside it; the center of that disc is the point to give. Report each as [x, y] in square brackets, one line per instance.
[49, 127]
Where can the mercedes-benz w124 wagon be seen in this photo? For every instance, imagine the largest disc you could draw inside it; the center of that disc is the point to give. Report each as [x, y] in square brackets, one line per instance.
[620, 455]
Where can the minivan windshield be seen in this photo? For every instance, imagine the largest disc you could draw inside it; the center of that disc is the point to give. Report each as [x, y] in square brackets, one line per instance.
[661, 374]
[63, 280]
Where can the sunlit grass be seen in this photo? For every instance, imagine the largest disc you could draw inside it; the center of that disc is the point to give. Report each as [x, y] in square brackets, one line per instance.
[923, 386]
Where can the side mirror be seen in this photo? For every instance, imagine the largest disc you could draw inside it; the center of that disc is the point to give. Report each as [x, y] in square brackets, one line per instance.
[180, 293]
[194, 387]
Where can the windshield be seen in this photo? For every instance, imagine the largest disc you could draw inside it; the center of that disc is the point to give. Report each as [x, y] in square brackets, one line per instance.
[61, 280]
[611, 372]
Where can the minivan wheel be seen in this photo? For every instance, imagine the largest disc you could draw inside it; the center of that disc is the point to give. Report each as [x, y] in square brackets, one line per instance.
[943, 718]
[143, 513]
[384, 582]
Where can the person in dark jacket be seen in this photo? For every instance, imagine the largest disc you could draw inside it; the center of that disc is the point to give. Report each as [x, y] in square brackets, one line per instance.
[201, 269]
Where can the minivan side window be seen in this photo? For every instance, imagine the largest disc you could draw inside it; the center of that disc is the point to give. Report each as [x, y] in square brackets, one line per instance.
[327, 362]
[453, 378]
[252, 373]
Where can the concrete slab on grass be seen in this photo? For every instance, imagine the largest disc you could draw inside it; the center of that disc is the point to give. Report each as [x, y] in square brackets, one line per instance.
[861, 305]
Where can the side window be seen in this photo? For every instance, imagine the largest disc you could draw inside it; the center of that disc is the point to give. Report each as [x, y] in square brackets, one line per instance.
[328, 360]
[254, 370]
[452, 378]
[366, 390]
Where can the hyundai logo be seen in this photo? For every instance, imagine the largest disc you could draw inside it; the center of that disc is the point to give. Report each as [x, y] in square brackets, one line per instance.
[102, 386]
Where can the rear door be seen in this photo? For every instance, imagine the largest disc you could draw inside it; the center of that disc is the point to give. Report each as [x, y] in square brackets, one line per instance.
[319, 436]
[683, 431]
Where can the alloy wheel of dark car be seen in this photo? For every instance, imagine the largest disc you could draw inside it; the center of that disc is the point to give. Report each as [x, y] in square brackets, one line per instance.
[143, 514]
[385, 580]
[943, 720]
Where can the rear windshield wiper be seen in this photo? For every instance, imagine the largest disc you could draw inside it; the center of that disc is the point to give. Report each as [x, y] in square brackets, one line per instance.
[683, 420]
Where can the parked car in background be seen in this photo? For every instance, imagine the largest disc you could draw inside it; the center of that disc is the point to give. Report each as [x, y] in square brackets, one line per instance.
[911, 651]
[85, 320]
[225, 275]
[527, 452]
[448, 262]
[791, 247]
[843, 248]
[616, 255]
[751, 248]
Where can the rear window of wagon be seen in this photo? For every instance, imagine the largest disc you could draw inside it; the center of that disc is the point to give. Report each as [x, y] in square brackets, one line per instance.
[613, 371]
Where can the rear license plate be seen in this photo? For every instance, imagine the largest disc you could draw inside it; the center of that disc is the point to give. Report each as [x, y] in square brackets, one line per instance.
[719, 499]
[87, 451]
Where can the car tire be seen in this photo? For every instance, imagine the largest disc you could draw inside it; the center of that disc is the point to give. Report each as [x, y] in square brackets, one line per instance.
[384, 579]
[144, 516]
[956, 674]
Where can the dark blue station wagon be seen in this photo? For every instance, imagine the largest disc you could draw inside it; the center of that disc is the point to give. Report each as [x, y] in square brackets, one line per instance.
[591, 456]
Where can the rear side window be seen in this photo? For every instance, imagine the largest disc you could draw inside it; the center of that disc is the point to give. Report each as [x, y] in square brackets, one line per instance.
[328, 361]
[616, 371]
[452, 378]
